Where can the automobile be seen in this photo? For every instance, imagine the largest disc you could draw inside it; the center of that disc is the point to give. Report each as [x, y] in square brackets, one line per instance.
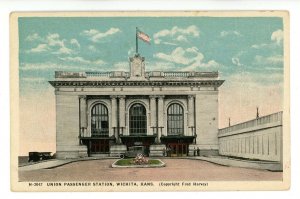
[133, 152]
[37, 156]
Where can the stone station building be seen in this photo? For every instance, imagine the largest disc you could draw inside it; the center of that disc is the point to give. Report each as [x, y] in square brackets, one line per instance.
[104, 113]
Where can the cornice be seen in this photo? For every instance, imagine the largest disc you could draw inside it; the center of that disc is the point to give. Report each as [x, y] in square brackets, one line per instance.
[198, 83]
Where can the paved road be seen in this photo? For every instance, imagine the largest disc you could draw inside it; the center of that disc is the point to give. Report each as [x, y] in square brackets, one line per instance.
[176, 169]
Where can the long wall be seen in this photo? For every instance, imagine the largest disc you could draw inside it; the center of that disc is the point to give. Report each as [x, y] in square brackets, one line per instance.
[260, 138]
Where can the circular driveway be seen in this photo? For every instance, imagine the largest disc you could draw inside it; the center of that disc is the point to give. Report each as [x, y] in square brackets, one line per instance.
[176, 169]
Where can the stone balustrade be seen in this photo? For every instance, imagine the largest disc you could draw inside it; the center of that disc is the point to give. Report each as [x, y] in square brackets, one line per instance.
[123, 74]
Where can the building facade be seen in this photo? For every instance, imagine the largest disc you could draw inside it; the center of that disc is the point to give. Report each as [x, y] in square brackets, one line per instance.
[104, 113]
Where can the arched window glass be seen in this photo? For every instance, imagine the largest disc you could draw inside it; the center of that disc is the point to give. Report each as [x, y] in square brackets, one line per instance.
[99, 123]
[137, 120]
[175, 119]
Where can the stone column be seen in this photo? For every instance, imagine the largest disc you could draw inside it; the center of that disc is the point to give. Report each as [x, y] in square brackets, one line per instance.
[191, 114]
[153, 113]
[160, 116]
[83, 116]
[122, 114]
[114, 116]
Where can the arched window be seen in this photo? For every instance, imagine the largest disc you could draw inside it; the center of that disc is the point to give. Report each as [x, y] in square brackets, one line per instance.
[137, 120]
[99, 123]
[175, 119]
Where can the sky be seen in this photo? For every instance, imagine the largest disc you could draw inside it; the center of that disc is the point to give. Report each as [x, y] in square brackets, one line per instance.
[247, 52]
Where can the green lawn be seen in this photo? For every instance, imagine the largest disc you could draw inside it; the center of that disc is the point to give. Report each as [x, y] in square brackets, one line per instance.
[128, 162]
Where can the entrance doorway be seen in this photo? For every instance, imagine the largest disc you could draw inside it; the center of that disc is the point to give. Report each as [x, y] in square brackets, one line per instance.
[145, 141]
[177, 149]
[100, 146]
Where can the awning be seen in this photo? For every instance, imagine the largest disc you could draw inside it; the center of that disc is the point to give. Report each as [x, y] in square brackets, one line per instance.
[98, 138]
[177, 139]
[138, 139]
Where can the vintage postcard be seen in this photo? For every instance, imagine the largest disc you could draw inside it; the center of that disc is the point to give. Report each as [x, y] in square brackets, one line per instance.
[150, 101]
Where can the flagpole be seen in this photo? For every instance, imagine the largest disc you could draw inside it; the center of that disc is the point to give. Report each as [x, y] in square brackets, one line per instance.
[136, 42]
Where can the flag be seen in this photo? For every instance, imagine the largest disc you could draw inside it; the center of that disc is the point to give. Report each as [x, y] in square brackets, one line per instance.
[143, 36]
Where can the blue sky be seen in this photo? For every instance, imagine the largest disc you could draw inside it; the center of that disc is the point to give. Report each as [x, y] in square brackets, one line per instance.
[248, 53]
[230, 45]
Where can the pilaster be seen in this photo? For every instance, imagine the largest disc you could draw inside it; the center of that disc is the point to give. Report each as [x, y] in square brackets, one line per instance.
[153, 114]
[160, 115]
[114, 116]
[122, 113]
[191, 114]
[83, 115]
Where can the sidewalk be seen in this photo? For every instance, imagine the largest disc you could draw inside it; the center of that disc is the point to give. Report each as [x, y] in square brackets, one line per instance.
[235, 162]
[56, 163]
[220, 160]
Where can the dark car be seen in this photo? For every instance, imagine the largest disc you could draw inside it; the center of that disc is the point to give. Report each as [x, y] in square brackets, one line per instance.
[134, 151]
[37, 156]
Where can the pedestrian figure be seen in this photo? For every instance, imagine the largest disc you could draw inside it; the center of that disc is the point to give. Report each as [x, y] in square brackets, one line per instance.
[198, 151]
[168, 151]
[194, 151]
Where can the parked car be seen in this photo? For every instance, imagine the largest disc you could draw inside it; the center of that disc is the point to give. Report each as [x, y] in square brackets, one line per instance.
[37, 156]
[133, 152]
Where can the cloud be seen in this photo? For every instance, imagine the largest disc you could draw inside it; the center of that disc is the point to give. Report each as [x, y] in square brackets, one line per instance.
[75, 59]
[181, 38]
[169, 43]
[33, 79]
[67, 65]
[121, 66]
[197, 65]
[33, 37]
[95, 35]
[160, 66]
[131, 51]
[92, 48]
[54, 40]
[63, 50]
[48, 66]
[75, 42]
[277, 36]
[37, 66]
[190, 58]
[81, 60]
[259, 46]
[40, 48]
[178, 55]
[229, 33]
[271, 60]
[236, 61]
[176, 34]
[53, 44]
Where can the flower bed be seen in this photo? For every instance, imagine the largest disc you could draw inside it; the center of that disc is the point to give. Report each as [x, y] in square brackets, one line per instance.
[138, 162]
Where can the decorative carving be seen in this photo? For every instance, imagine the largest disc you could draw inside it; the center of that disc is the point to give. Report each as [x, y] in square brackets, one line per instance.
[214, 83]
[161, 97]
[83, 97]
[153, 96]
[121, 96]
[190, 97]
